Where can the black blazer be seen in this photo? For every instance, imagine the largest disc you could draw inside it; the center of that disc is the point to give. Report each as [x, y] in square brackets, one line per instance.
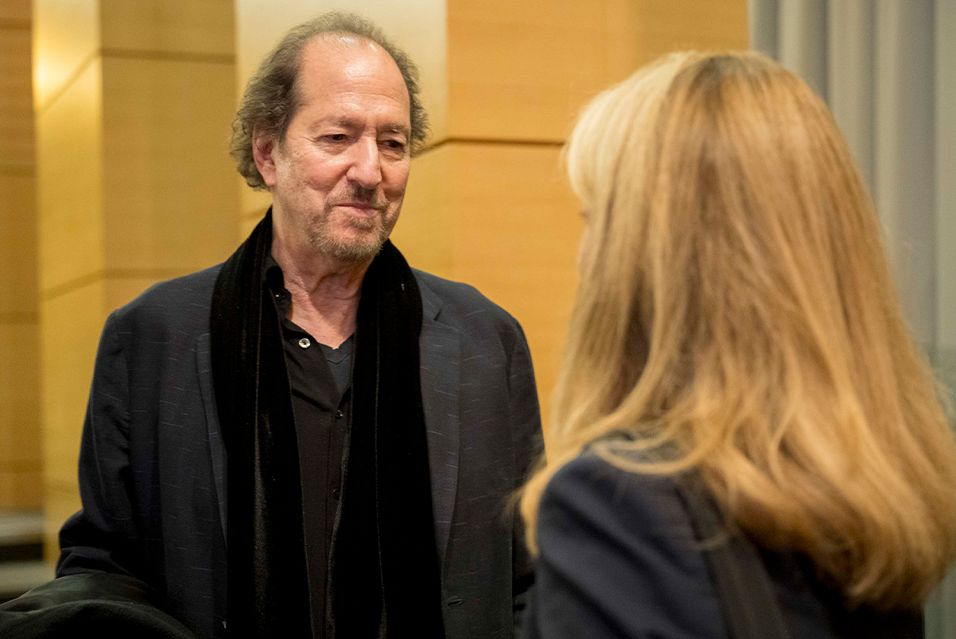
[618, 558]
[152, 462]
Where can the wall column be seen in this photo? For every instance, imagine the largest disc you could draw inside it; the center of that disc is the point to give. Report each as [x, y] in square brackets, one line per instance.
[20, 456]
[133, 105]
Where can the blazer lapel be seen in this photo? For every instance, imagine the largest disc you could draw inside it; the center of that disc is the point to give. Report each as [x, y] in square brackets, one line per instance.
[440, 347]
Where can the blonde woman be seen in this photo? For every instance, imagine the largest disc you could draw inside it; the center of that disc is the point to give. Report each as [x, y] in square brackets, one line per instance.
[736, 346]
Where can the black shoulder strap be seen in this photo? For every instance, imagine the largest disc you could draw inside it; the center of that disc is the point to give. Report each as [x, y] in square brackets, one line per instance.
[743, 587]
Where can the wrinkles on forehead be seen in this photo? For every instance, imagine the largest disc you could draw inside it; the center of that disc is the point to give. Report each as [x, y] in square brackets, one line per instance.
[346, 58]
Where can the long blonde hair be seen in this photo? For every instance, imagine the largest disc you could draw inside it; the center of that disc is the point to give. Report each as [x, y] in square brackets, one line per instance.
[735, 309]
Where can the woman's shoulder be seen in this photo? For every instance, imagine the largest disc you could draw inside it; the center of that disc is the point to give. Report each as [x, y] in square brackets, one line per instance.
[604, 475]
[617, 553]
[629, 539]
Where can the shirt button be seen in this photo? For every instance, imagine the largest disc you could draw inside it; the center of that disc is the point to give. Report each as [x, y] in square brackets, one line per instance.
[339, 414]
[305, 342]
[336, 494]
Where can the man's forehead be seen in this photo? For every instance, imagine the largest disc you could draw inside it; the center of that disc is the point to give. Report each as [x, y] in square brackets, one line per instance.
[344, 58]
[341, 39]
[339, 48]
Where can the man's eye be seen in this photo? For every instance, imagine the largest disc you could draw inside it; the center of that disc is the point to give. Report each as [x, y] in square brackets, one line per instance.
[335, 137]
[395, 145]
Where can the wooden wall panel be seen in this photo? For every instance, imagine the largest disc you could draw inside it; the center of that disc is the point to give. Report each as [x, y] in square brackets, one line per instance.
[521, 71]
[170, 201]
[16, 104]
[653, 27]
[15, 11]
[66, 37]
[19, 427]
[135, 184]
[17, 248]
[20, 455]
[22, 486]
[517, 69]
[424, 232]
[69, 183]
[169, 26]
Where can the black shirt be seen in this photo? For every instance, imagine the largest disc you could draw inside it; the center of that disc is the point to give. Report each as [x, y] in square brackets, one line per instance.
[320, 381]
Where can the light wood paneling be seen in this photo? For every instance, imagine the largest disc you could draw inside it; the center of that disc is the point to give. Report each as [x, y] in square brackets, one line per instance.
[516, 69]
[21, 487]
[17, 11]
[69, 183]
[170, 200]
[521, 71]
[19, 378]
[171, 26]
[20, 454]
[16, 99]
[424, 232]
[18, 248]
[66, 35]
[657, 26]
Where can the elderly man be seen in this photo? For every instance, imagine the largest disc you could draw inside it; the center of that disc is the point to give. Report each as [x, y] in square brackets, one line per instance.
[313, 439]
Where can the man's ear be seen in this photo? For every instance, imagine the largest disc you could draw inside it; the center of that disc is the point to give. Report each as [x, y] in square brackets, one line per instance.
[263, 148]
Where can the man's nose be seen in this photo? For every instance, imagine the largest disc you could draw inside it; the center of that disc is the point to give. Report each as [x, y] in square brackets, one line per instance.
[366, 167]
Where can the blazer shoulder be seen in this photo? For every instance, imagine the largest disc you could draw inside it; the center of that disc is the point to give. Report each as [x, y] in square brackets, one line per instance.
[457, 302]
[592, 480]
[618, 557]
[178, 303]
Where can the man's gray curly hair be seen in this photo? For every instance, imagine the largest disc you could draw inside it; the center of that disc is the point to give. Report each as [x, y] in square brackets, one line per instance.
[270, 99]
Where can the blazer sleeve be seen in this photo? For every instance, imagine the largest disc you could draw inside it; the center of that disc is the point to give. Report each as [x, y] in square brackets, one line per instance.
[99, 586]
[618, 558]
[103, 535]
[527, 447]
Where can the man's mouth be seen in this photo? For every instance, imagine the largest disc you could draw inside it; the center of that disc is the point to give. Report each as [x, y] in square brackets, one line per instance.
[367, 208]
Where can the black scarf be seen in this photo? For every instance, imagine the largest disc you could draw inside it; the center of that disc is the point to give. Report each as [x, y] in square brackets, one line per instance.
[385, 568]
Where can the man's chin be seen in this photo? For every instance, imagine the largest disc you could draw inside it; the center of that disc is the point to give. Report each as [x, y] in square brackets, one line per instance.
[351, 250]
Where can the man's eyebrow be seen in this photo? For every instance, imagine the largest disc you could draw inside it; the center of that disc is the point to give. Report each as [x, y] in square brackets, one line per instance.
[350, 123]
[345, 123]
[395, 128]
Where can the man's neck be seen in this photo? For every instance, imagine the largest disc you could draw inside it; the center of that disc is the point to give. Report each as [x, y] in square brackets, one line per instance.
[325, 292]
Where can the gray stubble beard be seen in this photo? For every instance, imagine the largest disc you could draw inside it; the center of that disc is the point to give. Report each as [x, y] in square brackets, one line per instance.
[350, 252]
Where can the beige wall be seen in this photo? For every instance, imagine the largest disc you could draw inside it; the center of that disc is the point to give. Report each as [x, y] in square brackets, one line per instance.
[133, 102]
[20, 456]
